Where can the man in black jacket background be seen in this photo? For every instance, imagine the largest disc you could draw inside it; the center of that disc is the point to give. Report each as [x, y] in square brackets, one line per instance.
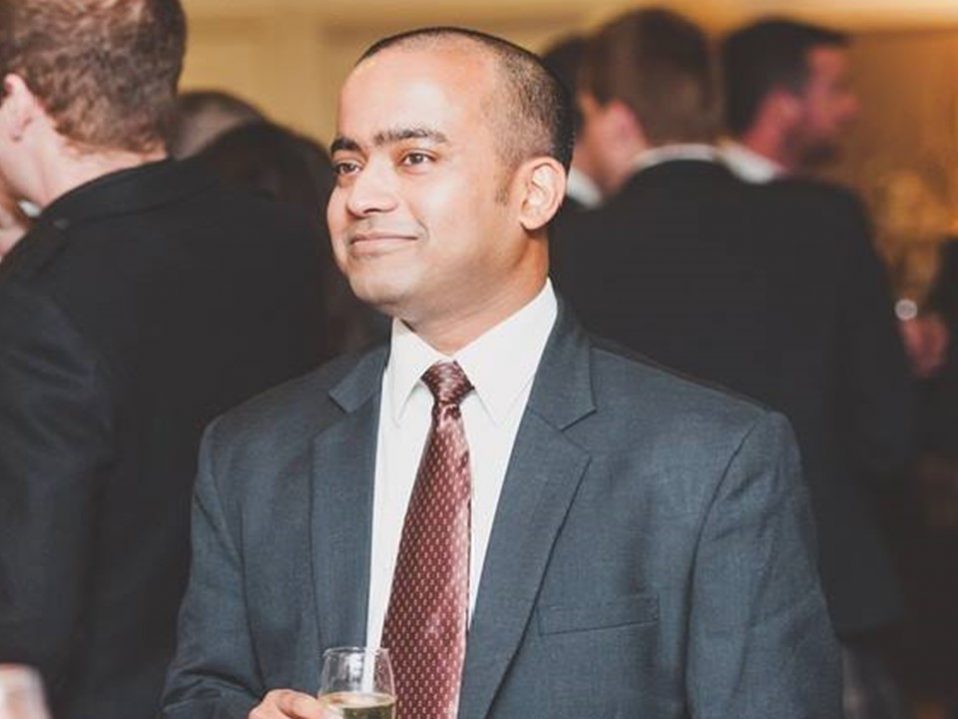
[145, 300]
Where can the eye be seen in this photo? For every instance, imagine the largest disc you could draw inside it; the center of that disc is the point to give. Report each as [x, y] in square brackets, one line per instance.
[345, 167]
[416, 158]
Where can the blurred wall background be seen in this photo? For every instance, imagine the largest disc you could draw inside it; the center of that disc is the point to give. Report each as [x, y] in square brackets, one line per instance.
[290, 56]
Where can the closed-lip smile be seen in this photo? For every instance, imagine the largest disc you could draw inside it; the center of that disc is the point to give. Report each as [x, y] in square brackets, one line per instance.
[379, 236]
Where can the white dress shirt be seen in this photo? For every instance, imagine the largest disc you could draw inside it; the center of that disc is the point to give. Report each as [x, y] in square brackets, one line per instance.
[748, 165]
[500, 365]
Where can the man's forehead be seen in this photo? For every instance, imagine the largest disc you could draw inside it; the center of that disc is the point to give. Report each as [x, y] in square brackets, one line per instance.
[441, 61]
[411, 88]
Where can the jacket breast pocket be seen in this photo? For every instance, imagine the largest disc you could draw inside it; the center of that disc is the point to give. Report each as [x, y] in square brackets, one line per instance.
[629, 610]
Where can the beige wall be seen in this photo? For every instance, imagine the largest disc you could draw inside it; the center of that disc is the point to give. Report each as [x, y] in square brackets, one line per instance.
[291, 62]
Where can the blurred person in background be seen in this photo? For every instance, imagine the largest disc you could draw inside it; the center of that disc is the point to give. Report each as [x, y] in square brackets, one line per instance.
[564, 59]
[202, 116]
[145, 299]
[771, 290]
[788, 97]
[295, 170]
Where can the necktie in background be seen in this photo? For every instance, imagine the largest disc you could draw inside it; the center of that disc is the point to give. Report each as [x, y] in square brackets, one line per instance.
[425, 629]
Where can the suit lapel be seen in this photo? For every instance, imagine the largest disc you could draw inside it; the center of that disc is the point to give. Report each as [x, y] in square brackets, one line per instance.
[544, 472]
[343, 472]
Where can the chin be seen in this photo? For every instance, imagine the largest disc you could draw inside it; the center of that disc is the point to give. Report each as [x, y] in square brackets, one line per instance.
[385, 296]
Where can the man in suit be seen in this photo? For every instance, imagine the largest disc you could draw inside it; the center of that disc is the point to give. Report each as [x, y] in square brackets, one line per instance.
[773, 291]
[617, 540]
[671, 230]
[144, 300]
[788, 97]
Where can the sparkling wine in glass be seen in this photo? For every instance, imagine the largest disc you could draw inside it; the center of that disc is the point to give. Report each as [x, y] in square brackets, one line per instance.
[21, 693]
[357, 683]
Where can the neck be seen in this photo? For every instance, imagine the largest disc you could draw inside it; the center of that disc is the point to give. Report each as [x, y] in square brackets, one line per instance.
[624, 165]
[71, 168]
[451, 333]
[769, 142]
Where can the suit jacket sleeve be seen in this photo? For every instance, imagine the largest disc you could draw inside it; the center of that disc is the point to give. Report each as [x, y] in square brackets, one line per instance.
[760, 641]
[56, 425]
[876, 387]
[213, 675]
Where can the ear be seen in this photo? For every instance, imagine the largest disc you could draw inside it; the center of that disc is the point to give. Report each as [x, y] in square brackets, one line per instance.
[543, 182]
[784, 105]
[20, 107]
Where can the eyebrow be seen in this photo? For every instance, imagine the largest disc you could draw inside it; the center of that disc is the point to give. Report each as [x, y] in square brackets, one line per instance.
[389, 137]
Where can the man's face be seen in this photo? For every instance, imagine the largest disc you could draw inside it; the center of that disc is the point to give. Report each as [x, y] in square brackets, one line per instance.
[828, 106]
[423, 218]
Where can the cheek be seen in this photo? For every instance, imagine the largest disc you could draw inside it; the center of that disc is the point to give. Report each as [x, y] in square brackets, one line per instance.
[337, 222]
[336, 211]
[444, 207]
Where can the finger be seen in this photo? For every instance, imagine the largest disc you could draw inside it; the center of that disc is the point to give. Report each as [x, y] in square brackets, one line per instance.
[266, 709]
[299, 706]
[286, 704]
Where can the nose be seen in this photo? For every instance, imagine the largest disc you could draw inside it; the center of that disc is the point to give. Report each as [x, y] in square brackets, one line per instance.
[373, 190]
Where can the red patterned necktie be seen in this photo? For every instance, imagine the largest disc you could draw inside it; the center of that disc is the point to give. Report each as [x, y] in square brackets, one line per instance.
[425, 629]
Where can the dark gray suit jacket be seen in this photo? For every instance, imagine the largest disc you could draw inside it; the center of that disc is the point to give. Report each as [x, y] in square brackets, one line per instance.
[652, 552]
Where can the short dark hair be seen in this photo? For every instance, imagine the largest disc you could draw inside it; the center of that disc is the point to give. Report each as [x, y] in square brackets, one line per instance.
[533, 95]
[564, 58]
[204, 115]
[106, 71]
[767, 55]
[660, 65]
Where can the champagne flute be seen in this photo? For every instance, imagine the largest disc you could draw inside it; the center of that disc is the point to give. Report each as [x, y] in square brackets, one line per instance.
[21, 693]
[357, 683]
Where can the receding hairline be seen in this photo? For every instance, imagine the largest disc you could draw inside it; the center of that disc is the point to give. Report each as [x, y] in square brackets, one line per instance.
[457, 42]
[491, 46]
[519, 79]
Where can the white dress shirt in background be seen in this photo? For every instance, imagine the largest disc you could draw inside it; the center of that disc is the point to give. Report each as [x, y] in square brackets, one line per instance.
[748, 165]
[500, 365]
[679, 151]
[580, 187]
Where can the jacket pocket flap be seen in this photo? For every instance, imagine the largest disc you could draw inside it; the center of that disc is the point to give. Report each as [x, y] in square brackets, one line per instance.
[632, 609]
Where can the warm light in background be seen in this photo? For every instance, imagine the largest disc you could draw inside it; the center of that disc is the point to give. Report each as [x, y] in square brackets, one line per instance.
[290, 56]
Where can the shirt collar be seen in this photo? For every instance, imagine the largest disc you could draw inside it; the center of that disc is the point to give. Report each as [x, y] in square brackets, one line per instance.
[581, 188]
[683, 151]
[748, 165]
[516, 343]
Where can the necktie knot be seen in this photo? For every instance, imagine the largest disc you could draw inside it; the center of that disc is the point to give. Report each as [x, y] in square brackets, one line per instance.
[447, 382]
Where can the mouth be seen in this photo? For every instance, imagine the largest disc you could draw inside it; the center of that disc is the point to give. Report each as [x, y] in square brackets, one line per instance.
[379, 242]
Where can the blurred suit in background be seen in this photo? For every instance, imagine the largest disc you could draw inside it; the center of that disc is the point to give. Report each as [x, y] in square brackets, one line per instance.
[145, 300]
